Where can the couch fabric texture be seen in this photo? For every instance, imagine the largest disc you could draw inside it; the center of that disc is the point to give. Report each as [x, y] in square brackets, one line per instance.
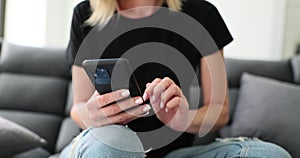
[268, 109]
[35, 84]
[16, 139]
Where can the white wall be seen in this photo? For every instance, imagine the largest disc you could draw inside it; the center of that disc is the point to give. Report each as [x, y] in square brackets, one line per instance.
[257, 27]
[25, 22]
[59, 22]
[39, 23]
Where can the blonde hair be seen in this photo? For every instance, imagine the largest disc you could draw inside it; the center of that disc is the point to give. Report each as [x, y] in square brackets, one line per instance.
[103, 10]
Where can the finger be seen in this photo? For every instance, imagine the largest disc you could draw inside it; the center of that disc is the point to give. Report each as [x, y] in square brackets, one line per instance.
[140, 111]
[169, 93]
[145, 113]
[156, 107]
[92, 103]
[119, 107]
[130, 115]
[133, 118]
[156, 94]
[161, 87]
[173, 103]
[149, 89]
[108, 98]
[96, 93]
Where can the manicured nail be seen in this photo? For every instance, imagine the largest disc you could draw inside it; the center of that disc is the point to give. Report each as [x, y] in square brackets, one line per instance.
[139, 101]
[161, 105]
[167, 110]
[147, 108]
[147, 113]
[145, 96]
[125, 93]
[153, 99]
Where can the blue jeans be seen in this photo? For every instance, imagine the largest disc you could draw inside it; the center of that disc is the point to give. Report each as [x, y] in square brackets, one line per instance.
[98, 142]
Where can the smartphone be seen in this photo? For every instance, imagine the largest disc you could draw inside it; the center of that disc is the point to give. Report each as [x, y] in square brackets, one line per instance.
[109, 75]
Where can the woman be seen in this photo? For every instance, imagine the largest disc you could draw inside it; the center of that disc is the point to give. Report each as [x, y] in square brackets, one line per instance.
[168, 105]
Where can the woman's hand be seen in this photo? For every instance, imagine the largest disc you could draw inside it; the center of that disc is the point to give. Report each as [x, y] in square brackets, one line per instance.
[168, 102]
[100, 110]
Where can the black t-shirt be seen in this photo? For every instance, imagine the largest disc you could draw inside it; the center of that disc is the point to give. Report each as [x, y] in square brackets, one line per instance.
[203, 12]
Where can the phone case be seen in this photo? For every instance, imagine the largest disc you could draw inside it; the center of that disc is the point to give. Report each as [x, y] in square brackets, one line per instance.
[109, 75]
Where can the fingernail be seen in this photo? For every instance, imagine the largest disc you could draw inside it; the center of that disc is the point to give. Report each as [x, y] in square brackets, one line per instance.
[139, 101]
[167, 110]
[145, 96]
[147, 113]
[147, 108]
[161, 105]
[125, 93]
[153, 98]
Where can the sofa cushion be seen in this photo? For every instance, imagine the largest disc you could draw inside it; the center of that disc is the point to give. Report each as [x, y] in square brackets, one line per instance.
[15, 139]
[55, 156]
[268, 109]
[69, 129]
[34, 153]
[33, 93]
[45, 125]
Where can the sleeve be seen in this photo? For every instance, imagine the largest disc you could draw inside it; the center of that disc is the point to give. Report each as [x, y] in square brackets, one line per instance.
[217, 28]
[76, 37]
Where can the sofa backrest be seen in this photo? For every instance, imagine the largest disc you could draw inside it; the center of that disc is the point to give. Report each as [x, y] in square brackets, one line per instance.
[36, 92]
[279, 70]
[285, 70]
[34, 84]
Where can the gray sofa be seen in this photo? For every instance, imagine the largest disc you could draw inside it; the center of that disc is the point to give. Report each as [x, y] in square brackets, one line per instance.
[35, 92]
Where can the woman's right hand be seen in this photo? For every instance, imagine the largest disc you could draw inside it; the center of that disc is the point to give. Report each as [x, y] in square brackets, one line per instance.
[96, 112]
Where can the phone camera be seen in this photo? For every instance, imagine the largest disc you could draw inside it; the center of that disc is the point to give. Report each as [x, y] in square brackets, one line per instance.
[102, 76]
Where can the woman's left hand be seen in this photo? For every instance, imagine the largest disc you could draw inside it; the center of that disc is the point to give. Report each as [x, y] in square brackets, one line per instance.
[168, 102]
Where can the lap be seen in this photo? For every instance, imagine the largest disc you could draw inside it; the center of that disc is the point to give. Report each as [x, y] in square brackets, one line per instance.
[98, 142]
[108, 141]
[232, 148]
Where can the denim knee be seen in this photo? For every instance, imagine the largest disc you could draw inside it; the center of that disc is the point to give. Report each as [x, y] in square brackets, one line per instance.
[267, 150]
[108, 141]
[233, 147]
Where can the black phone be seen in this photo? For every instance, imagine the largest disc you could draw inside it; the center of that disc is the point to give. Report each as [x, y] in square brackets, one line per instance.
[109, 75]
